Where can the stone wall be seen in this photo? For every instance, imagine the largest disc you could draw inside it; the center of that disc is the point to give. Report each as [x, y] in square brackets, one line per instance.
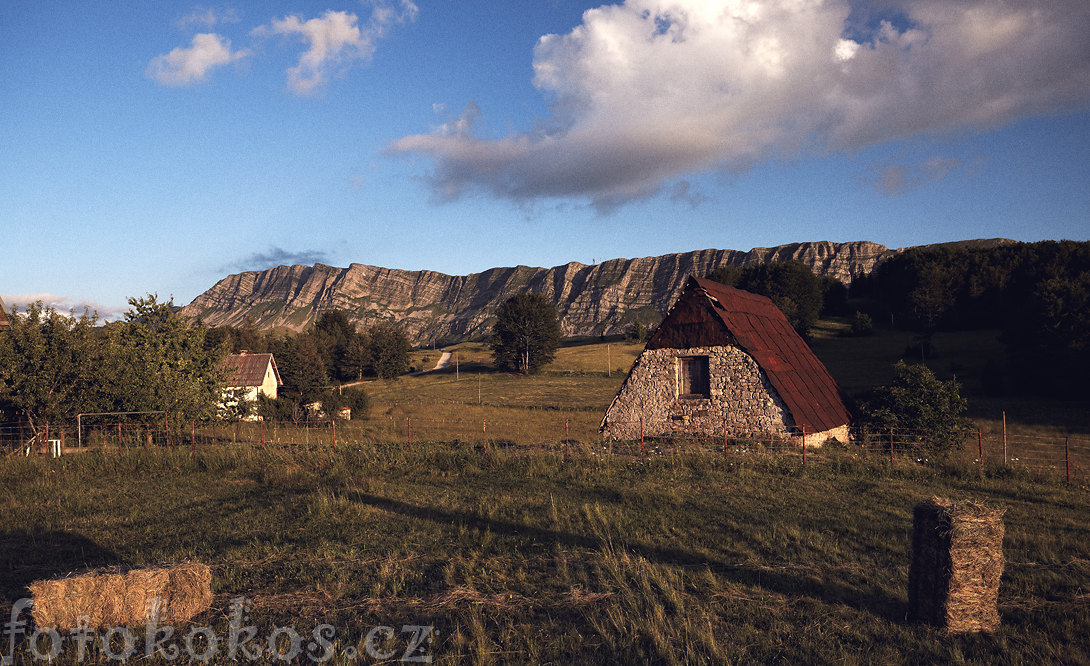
[741, 398]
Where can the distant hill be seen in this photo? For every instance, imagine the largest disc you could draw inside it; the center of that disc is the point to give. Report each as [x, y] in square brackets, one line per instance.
[434, 307]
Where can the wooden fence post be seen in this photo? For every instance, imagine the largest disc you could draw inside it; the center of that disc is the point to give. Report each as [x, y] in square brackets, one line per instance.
[1067, 458]
[724, 438]
[484, 432]
[566, 431]
[1004, 438]
[803, 445]
[643, 448]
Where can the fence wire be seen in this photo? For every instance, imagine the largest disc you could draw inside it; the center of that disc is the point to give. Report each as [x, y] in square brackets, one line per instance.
[568, 435]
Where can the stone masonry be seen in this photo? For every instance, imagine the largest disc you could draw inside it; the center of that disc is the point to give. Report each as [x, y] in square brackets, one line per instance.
[741, 398]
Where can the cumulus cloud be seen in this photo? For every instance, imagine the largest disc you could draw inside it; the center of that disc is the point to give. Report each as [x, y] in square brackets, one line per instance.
[184, 66]
[647, 91]
[276, 256]
[335, 40]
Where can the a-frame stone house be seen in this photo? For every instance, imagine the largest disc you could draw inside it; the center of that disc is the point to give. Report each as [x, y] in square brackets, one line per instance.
[727, 361]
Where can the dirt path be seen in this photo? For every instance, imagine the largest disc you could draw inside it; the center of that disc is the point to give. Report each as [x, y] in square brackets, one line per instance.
[443, 362]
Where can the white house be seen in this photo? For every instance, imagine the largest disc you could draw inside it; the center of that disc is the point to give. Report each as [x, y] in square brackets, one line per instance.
[250, 375]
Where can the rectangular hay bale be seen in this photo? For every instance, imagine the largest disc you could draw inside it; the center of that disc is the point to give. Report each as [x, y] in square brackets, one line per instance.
[957, 562]
[111, 598]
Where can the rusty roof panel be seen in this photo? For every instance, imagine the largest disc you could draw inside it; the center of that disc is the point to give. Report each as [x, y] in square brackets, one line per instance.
[805, 385]
[249, 369]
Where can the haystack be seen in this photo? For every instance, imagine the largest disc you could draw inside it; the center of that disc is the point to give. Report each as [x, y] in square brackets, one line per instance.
[957, 561]
[112, 598]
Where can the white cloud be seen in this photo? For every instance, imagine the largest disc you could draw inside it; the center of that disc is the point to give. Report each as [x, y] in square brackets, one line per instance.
[207, 18]
[648, 91]
[184, 66]
[335, 40]
[63, 305]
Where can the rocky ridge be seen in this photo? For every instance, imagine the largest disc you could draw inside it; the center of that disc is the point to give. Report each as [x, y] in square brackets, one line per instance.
[433, 307]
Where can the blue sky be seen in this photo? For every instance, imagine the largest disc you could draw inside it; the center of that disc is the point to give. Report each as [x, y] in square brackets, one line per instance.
[158, 147]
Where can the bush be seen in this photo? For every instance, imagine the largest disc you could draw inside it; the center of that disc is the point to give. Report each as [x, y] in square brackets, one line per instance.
[927, 409]
[355, 399]
[862, 324]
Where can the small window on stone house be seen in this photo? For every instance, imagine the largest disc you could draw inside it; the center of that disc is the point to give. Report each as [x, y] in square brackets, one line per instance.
[693, 378]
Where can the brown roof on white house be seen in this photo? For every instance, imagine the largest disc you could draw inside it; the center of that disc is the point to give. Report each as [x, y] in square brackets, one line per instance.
[5, 319]
[249, 369]
[709, 313]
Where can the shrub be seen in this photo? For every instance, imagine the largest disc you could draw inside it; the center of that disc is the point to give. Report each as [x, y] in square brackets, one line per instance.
[355, 399]
[927, 409]
[862, 324]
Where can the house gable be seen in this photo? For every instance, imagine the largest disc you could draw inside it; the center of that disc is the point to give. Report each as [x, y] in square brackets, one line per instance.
[763, 375]
[257, 372]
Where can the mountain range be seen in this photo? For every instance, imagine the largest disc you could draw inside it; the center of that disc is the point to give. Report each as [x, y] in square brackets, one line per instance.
[435, 308]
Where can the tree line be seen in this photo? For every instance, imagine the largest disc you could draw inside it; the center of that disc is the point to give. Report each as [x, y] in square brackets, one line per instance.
[54, 366]
[313, 363]
[1036, 294]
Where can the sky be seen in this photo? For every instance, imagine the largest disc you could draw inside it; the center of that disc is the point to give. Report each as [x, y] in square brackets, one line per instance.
[157, 147]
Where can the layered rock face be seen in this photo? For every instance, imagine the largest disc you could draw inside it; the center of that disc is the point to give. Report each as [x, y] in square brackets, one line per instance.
[432, 307]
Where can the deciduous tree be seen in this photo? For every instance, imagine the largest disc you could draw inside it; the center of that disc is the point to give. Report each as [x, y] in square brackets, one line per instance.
[49, 365]
[526, 334]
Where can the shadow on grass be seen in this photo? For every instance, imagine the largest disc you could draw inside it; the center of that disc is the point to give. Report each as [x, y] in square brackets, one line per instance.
[31, 556]
[776, 581]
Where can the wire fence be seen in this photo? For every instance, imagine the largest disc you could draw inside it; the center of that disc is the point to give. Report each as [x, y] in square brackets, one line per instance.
[565, 435]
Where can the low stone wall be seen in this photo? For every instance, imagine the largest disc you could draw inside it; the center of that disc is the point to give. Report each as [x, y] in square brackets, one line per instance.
[741, 398]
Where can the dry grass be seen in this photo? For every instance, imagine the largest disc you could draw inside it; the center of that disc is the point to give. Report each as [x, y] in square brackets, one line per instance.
[530, 558]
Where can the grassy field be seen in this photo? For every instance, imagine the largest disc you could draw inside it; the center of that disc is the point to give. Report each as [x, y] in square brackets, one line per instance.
[532, 559]
[518, 555]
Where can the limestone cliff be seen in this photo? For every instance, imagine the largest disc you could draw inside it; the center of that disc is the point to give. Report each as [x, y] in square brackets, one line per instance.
[433, 307]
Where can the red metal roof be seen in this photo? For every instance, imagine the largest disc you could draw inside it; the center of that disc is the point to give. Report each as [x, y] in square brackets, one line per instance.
[756, 325]
[249, 369]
